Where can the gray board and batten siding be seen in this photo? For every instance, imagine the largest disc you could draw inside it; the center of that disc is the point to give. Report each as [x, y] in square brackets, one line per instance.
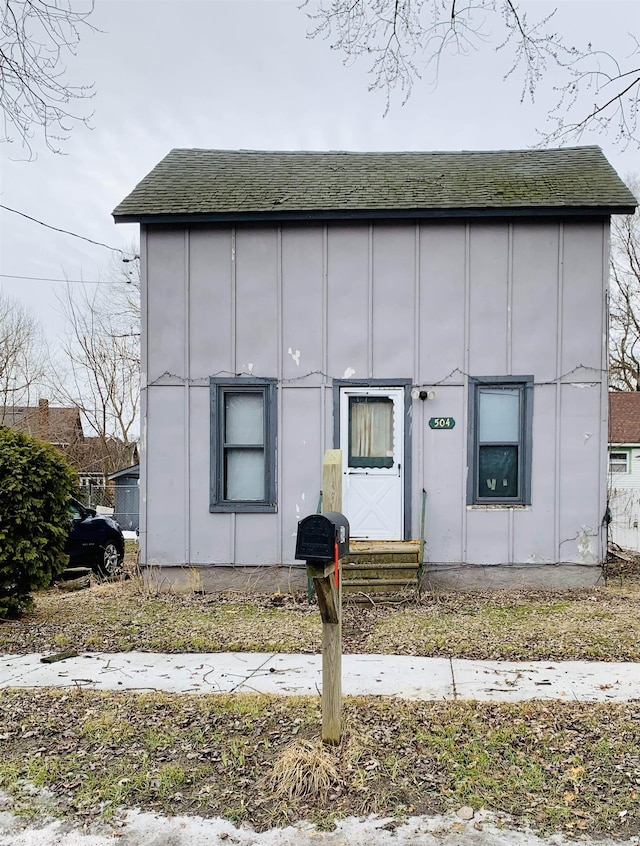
[430, 269]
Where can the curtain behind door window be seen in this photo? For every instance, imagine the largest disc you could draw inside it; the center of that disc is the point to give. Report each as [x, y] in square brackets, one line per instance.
[370, 432]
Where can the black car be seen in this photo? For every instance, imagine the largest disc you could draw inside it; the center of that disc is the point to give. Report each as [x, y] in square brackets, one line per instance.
[95, 540]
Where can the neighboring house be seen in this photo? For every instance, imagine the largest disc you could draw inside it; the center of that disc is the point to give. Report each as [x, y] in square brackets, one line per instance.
[624, 468]
[441, 317]
[92, 457]
[127, 497]
[62, 427]
[96, 458]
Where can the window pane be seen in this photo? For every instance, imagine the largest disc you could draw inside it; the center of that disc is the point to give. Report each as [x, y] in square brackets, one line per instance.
[618, 462]
[498, 471]
[244, 418]
[244, 477]
[499, 415]
[370, 432]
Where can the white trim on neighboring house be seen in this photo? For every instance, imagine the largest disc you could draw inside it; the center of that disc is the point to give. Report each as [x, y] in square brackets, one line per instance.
[98, 480]
[624, 495]
[619, 460]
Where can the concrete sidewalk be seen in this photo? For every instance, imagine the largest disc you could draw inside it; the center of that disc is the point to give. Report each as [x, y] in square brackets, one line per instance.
[400, 676]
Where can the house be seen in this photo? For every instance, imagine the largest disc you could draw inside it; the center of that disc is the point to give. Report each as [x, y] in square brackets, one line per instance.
[92, 457]
[96, 457]
[440, 317]
[62, 427]
[624, 468]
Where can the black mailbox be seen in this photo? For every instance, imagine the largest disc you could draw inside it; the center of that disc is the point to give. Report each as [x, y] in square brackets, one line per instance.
[318, 535]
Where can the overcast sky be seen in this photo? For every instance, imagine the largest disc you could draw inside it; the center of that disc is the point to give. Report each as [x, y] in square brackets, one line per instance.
[243, 74]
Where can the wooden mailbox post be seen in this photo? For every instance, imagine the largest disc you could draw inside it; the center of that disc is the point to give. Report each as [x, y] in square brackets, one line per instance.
[323, 539]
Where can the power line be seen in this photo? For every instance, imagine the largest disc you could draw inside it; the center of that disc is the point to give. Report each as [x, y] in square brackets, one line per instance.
[51, 279]
[64, 231]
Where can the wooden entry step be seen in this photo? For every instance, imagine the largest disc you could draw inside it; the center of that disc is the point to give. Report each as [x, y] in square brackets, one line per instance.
[380, 571]
[359, 547]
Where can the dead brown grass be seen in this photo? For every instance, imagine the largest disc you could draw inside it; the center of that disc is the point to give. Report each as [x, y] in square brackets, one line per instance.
[304, 770]
[556, 766]
[600, 624]
[116, 617]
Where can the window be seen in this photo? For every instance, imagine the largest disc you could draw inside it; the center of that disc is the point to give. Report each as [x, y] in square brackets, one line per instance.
[500, 413]
[243, 444]
[92, 481]
[370, 431]
[618, 462]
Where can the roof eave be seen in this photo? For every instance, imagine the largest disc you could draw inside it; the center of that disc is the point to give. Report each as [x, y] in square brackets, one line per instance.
[126, 471]
[370, 214]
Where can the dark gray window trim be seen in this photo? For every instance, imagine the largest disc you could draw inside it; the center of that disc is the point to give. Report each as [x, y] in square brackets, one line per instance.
[526, 440]
[217, 389]
[408, 458]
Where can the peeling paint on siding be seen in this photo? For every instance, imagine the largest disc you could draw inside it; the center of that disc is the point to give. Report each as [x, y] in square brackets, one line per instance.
[585, 544]
[539, 559]
[349, 373]
[295, 356]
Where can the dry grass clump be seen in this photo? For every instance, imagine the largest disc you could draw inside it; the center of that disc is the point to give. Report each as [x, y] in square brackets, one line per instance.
[304, 770]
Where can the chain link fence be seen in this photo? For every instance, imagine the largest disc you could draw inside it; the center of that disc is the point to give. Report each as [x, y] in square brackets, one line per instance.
[95, 495]
[122, 502]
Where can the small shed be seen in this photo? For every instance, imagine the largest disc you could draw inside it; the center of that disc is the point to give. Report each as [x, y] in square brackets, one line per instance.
[127, 497]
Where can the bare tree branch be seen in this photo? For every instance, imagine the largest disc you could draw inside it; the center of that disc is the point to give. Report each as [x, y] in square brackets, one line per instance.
[604, 94]
[624, 300]
[35, 38]
[101, 375]
[22, 358]
[405, 40]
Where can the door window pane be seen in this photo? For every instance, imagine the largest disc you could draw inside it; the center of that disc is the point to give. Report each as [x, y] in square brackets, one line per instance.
[370, 432]
[498, 471]
[244, 474]
[499, 413]
[244, 418]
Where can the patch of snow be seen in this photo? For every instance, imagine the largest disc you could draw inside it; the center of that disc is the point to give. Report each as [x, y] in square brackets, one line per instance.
[143, 829]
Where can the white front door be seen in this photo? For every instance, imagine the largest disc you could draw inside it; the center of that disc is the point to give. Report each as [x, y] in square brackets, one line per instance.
[372, 443]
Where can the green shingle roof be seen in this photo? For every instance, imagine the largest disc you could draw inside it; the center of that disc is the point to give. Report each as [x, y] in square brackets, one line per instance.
[248, 184]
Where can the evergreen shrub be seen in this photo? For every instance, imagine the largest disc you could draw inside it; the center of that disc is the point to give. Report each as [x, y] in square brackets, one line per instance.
[35, 485]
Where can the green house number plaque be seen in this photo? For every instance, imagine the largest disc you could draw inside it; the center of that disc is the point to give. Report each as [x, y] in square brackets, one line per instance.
[442, 423]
